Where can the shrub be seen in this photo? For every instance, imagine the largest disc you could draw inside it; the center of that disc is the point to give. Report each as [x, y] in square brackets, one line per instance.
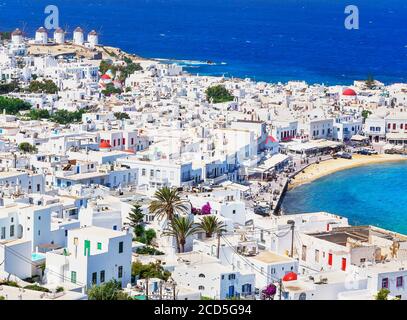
[9, 283]
[218, 94]
[108, 291]
[27, 148]
[149, 251]
[36, 287]
[47, 86]
[13, 105]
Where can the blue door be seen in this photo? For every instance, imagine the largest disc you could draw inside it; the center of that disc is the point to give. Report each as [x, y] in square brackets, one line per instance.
[231, 291]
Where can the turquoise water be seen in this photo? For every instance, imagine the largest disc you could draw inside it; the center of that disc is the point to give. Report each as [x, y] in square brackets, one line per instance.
[37, 256]
[374, 194]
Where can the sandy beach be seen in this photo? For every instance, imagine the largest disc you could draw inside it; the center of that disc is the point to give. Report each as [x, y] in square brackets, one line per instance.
[316, 171]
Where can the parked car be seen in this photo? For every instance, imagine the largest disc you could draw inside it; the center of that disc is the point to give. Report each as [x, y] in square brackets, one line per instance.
[343, 155]
[367, 151]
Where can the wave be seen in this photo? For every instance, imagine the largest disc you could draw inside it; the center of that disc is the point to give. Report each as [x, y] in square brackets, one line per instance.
[190, 63]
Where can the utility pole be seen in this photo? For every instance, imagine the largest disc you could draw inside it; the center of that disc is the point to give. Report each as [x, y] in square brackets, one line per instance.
[292, 223]
[147, 288]
[161, 290]
[218, 248]
[280, 288]
[174, 284]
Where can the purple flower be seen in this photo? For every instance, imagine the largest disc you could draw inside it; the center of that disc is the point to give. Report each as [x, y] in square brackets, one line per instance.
[206, 209]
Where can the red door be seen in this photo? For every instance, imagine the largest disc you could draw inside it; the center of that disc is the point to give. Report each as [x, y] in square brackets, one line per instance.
[330, 259]
[344, 264]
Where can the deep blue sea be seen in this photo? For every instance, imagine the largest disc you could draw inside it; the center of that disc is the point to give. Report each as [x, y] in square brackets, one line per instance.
[373, 194]
[271, 40]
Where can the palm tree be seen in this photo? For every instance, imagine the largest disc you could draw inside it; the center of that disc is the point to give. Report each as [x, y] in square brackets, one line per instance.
[211, 225]
[168, 203]
[181, 228]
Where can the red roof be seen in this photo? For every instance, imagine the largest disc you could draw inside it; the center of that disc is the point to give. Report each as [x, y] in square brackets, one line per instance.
[104, 145]
[291, 276]
[349, 92]
[106, 77]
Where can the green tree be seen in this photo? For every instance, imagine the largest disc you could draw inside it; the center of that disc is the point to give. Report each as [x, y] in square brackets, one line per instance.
[121, 115]
[13, 105]
[136, 218]
[38, 114]
[111, 89]
[27, 147]
[181, 228]
[108, 291]
[167, 203]
[151, 270]
[218, 94]
[63, 116]
[149, 236]
[382, 294]
[211, 225]
[46, 86]
[366, 113]
[9, 87]
[104, 66]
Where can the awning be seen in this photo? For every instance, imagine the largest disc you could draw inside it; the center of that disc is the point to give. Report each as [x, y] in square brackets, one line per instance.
[396, 136]
[273, 161]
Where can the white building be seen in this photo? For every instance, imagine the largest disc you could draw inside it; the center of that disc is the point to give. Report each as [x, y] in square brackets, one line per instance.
[204, 273]
[93, 256]
[41, 36]
[93, 38]
[59, 36]
[17, 37]
[78, 37]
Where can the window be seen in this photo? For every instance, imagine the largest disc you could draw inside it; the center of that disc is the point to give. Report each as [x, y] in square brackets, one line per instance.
[39, 217]
[316, 256]
[399, 282]
[12, 231]
[232, 277]
[66, 233]
[73, 276]
[38, 187]
[94, 278]
[121, 247]
[143, 172]
[201, 275]
[304, 253]
[120, 272]
[87, 248]
[385, 282]
[102, 276]
[343, 267]
[201, 288]
[99, 246]
[151, 173]
[3, 233]
[329, 259]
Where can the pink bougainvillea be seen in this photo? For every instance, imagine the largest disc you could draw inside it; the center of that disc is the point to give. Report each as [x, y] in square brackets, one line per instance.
[206, 209]
[269, 291]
